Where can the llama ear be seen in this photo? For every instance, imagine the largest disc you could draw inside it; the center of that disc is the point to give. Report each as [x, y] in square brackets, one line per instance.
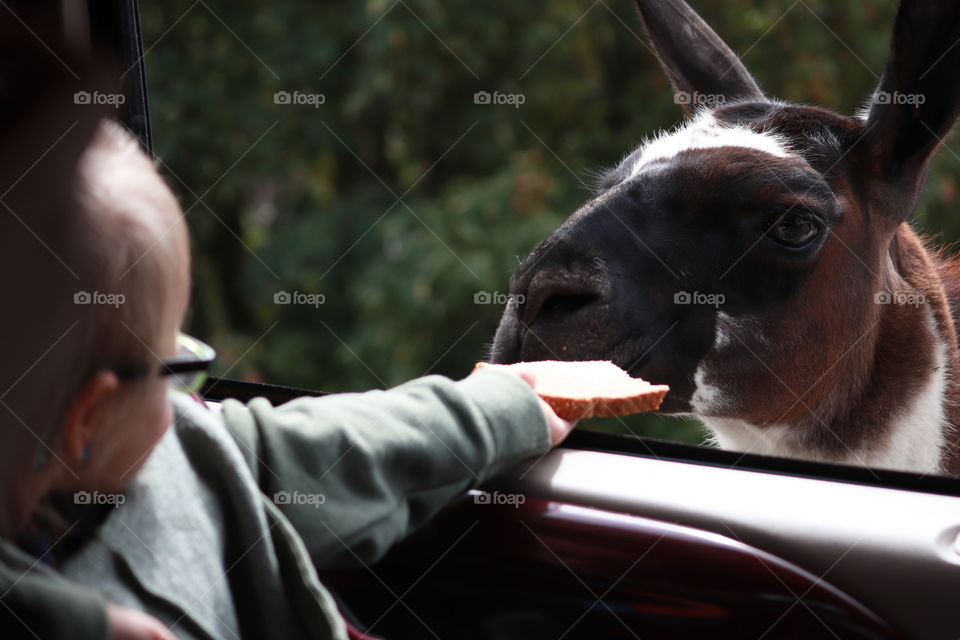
[701, 67]
[918, 99]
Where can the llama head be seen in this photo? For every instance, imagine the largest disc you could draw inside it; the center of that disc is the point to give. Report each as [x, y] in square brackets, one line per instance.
[746, 257]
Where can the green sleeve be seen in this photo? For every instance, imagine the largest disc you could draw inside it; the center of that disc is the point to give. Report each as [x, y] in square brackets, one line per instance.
[36, 606]
[357, 472]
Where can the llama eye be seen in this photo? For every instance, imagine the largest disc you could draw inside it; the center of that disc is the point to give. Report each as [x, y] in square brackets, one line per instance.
[794, 230]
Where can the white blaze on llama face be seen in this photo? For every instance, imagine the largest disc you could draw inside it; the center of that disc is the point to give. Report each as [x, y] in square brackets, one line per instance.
[705, 132]
[708, 397]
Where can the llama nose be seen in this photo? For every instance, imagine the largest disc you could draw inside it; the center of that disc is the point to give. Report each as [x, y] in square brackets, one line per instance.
[554, 296]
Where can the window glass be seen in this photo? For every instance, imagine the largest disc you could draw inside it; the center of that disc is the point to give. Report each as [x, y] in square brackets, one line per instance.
[360, 179]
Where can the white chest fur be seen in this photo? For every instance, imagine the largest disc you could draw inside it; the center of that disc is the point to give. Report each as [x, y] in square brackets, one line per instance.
[914, 440]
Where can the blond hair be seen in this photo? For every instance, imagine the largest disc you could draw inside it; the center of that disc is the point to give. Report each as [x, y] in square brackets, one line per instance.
[136, 232]
[129, 232]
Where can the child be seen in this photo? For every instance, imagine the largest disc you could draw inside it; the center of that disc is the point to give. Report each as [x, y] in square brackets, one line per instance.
[216, 525]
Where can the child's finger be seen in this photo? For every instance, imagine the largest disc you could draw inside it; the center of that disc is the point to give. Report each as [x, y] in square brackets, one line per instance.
[559, 428]
[132, 624]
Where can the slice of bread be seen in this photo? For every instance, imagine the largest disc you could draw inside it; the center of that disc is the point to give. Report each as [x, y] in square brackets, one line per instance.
[584, 389]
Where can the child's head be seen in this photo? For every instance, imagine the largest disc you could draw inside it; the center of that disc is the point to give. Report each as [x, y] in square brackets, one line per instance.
[130, 254]
[139, 250]
[137, 246]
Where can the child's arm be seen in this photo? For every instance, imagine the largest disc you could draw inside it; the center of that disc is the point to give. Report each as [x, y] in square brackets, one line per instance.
[356, 473]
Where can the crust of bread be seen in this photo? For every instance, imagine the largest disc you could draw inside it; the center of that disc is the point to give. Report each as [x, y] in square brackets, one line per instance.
[579, 390]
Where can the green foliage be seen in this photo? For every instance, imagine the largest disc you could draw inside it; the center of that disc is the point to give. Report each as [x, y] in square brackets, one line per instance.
[398, 199]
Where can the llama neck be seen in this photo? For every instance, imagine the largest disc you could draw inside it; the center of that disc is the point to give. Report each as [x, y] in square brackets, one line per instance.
[905, 414]
[911, 438]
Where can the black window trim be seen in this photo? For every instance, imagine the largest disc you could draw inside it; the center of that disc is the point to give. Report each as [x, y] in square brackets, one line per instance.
[218, 389]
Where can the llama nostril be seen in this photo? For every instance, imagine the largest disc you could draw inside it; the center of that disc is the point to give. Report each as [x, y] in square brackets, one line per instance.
[556, 301]
[564, 304]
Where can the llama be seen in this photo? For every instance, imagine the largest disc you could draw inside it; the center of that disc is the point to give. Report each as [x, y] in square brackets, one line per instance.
[759, 261]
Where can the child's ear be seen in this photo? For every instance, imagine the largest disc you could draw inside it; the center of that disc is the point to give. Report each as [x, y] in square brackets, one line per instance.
[86, 412]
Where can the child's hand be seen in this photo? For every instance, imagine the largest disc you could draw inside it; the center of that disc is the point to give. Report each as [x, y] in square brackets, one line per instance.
[131, 624]
[559, 428]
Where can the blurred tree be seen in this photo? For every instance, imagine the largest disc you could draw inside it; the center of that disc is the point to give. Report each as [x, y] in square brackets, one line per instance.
[336, 149]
